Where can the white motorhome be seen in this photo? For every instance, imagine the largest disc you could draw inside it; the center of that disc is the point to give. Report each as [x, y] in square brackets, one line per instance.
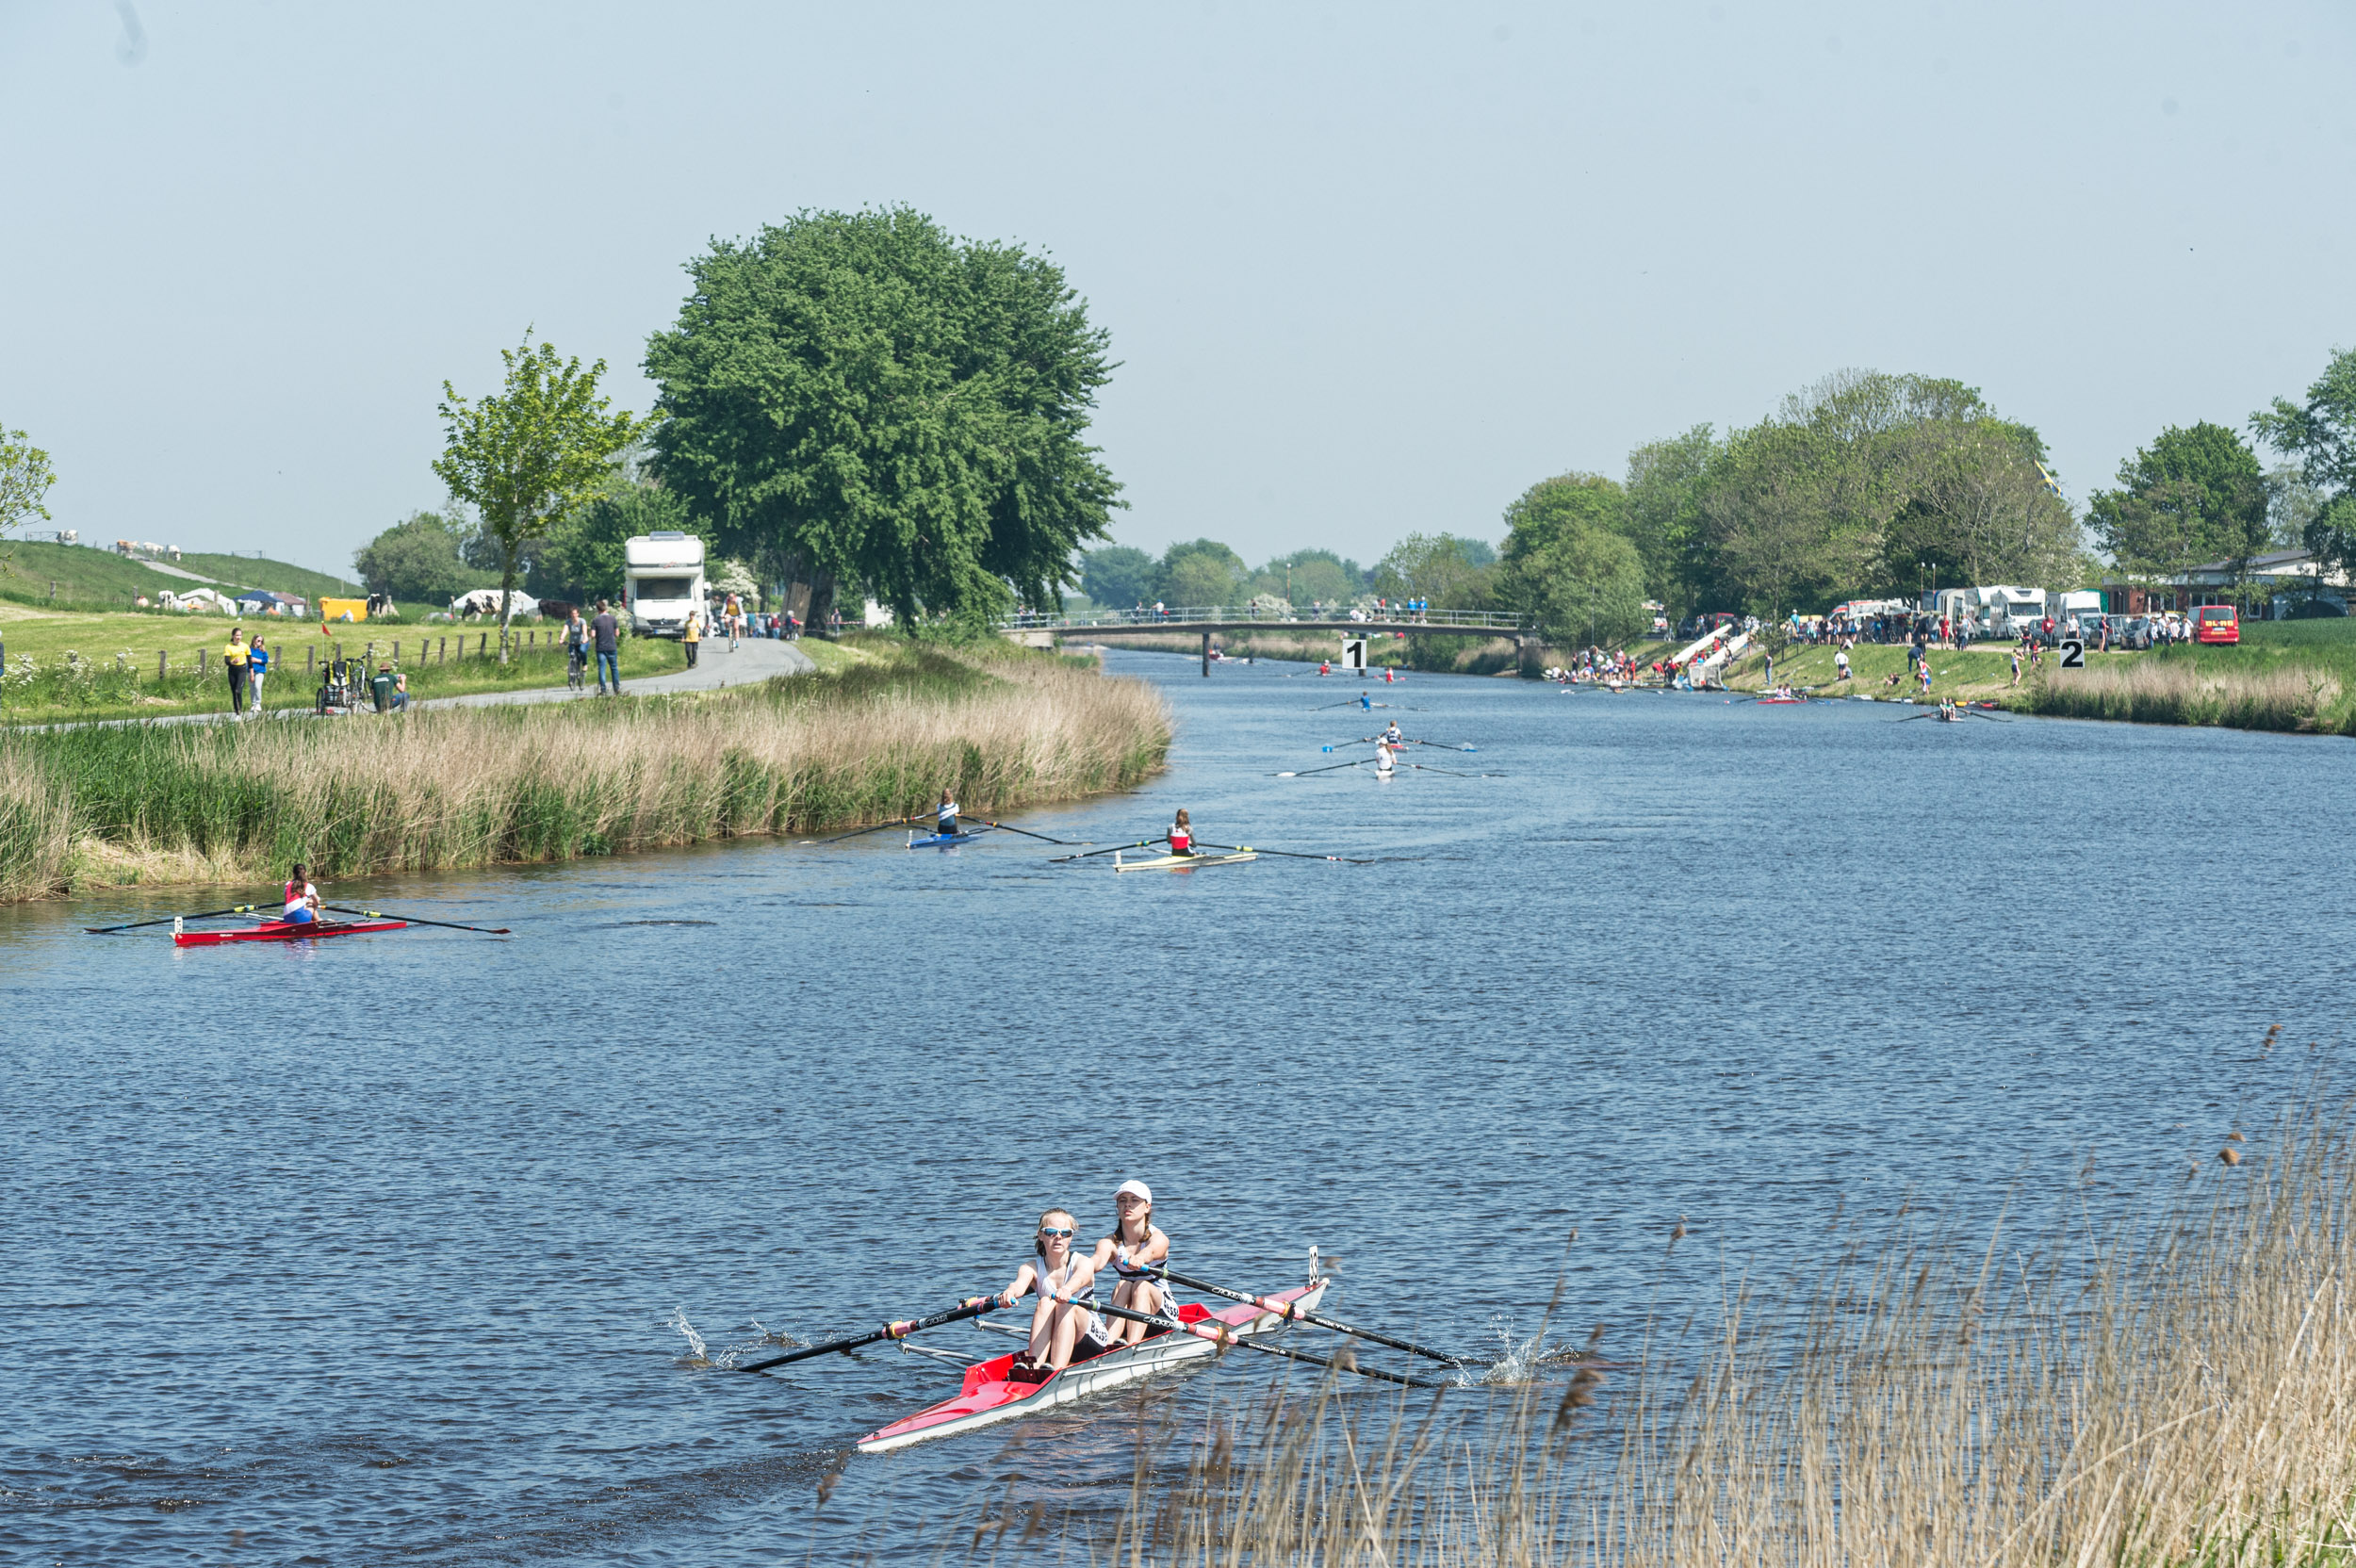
[663, 582]
[2010, 611]
[2084, 603]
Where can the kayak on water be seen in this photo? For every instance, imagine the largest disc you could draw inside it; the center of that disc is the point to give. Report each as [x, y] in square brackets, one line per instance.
[285, 931]
[988, 1396]
[1183, 862]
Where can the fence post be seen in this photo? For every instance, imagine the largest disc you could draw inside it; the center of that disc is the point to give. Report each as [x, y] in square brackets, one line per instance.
[483, 646]
[445, 659]
[200, 663]
[396, 650]
[310, 661]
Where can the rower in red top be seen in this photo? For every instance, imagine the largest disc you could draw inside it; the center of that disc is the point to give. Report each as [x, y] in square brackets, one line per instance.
[303, 900]
[1181, 835]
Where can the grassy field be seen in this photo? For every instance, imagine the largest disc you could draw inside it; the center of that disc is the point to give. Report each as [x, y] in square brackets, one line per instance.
[875, 742]
[82, 577]
[112, 671]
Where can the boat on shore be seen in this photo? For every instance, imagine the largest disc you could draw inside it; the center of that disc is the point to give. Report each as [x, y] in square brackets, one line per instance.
[285, 931]
[1183, 862]
[987, 1397]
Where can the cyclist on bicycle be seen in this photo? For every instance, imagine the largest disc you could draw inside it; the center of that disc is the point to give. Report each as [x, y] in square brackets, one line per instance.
[576, 647]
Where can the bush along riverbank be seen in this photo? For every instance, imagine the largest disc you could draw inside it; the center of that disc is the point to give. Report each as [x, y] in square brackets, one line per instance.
[467, 787]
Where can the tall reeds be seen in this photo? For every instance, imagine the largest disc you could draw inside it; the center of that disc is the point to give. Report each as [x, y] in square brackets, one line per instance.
[2183, 1392]
[2184, 691]
[464, 787]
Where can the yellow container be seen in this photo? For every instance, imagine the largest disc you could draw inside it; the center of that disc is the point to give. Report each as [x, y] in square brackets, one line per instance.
[343, 610]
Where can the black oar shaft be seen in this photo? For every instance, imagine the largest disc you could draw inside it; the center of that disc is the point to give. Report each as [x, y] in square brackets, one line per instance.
[1287, 1309]
[414, 919]
[142, 924]
[1288, 854]
[1028, 834]
[896, 822]
[974, 1308]
[1059, 859]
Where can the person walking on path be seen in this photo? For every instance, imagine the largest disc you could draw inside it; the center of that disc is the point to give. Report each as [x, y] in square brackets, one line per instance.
[607, 634]
[693, 636]
[576, 647]
[232, 660]
[256, 666]
[2016, 666]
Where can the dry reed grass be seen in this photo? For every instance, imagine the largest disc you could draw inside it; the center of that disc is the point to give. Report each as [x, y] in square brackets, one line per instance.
[475, 786]
[2180, 1393]
[2184, 690]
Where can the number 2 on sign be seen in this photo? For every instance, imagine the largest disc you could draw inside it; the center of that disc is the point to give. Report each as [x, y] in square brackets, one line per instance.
[2074, 654]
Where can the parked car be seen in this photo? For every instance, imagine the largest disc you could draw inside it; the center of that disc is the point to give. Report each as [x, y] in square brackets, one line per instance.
[2134, 632]
[2217, 623]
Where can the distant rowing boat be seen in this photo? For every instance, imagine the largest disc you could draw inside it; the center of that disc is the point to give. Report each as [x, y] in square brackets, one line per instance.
[285, 931]
[988, 1398]
[1183, 862]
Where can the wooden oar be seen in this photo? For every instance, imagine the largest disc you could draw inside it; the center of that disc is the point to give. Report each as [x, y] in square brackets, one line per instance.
[1331, 767]
[1221, 1335]
[141, 924]
[1297, 1314]
[1059, 859]
[413, 919]
[973, 1307]
[1288, 854]
[1040, 836]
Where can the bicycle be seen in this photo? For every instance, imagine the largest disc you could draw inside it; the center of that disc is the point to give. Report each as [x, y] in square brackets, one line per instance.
[576, 666]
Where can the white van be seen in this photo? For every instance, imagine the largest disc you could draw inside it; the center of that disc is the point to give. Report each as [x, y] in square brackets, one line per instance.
[663, 582]
[2010, 611]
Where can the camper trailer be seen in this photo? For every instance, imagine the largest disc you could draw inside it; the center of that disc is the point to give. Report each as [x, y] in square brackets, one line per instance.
[2010, 611]
[663, 582]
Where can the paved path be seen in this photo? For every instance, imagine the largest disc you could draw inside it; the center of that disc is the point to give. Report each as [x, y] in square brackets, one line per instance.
[755, 660]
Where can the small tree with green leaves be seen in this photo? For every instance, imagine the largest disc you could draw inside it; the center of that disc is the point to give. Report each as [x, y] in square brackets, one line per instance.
[526, 454]
[25, 476]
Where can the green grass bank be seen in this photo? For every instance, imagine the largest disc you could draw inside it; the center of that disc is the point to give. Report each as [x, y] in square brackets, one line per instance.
[877, 740]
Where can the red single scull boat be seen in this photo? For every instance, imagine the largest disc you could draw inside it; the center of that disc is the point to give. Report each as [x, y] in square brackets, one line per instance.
[285, 931]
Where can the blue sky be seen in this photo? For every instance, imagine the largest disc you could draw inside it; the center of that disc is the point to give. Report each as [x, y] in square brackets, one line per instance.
[1370, 269]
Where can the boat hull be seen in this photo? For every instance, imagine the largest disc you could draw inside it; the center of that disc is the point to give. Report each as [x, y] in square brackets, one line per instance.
[945, 840]
[1183, 862]
[989, 1399]
[280, 931]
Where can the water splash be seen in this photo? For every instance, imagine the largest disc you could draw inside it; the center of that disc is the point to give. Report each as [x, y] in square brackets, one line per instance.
[695, 1356]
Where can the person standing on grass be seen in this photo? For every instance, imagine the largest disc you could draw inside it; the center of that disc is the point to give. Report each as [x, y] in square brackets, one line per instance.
[575, 646]
[2016, 666]
[693, 636]
[256, 666]
[607, 635]
[232, 660]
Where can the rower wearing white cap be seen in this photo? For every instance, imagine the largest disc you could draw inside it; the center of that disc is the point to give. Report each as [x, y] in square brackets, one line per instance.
[1135, 1244]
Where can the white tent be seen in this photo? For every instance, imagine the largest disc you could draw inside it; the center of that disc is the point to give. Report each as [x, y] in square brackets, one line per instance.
[485, 602]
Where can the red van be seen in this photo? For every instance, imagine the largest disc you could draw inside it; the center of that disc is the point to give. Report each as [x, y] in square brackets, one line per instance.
[2215, 622]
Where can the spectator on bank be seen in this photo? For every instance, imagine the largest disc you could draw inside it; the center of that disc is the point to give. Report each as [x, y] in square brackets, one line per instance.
[606, 632]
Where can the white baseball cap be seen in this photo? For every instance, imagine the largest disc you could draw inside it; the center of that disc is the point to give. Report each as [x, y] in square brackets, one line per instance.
[1132, 1189]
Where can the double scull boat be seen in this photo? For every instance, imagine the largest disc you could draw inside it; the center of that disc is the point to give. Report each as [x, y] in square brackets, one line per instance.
[988, 1396]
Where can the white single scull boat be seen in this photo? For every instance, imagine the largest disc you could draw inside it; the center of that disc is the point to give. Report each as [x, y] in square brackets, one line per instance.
[988, 1396]
[1183, 862]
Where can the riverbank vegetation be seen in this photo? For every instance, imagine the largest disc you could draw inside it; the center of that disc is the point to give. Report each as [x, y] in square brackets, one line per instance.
[476, 786]
[2171, 1391]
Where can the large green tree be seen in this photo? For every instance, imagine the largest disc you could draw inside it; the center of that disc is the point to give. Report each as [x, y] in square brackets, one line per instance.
[524, 454]
[1118, 575]
[1448, 572]
[1666, 480]
[2320, 434]
[1311, 577]
[25, 476]
[2196, 495]
[417, 558]
[1569, 564]
[905, 409]
[1201, 572]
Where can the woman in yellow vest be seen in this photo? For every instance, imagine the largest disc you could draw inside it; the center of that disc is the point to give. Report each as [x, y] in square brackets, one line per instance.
[693, 635]
[232, 660]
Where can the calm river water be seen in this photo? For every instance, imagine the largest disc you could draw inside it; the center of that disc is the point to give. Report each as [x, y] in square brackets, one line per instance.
[377, 1253]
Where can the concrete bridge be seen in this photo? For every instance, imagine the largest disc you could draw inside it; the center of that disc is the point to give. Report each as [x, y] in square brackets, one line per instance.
[1043, 630]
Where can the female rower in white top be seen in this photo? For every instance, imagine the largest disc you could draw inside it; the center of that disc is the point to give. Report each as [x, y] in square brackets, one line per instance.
[1135, 1245]
[303, 900]
[946, 814]
[1181, 834]
[1391, 736]
[1066, 1284]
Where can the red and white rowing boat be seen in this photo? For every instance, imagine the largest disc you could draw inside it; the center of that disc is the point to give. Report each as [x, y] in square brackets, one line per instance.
[988, 1398]
[285, 931]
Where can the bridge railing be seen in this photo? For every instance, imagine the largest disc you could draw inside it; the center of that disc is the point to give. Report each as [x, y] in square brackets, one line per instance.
[1337, 618]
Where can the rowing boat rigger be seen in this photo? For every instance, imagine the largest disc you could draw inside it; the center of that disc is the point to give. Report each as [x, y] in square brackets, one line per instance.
[988, 1398]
